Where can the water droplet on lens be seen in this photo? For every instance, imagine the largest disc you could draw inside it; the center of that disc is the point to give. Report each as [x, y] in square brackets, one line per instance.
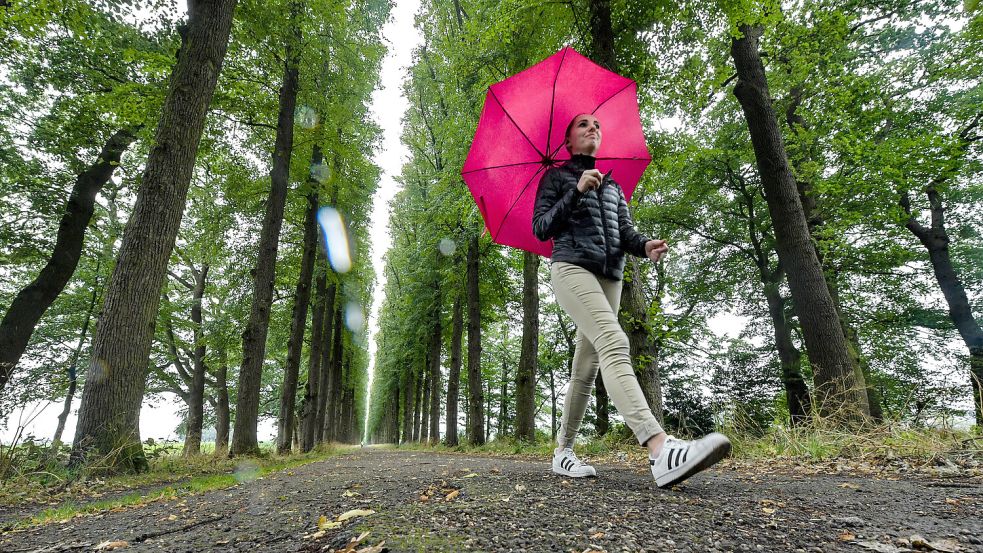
[305, 117]
[447, 246]
[246, 471]
[354, 317]
[320, 172]
[336, 239]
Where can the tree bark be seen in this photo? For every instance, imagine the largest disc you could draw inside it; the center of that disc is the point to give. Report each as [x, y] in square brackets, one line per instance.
[476, 398]
[409, 392]
[454, 377]
[222, 411]
[525, 378]
[425, 408]
[33, 300]
[417, 403]
[503, 401]
[298, 326]
[796, 391]
[331, 431]
[324, 378]
[244, 441]
[330, 365]
[436, 341]
[633, 316]
[309, 409]
[935, 238]
[838, 391]
[110, 411]
[196, 393]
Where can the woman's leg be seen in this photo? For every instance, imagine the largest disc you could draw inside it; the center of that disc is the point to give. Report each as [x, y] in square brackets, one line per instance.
[584, 369]
[592, 303]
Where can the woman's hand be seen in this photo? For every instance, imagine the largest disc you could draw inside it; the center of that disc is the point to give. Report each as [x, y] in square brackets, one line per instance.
[589, 180]
[656, 249]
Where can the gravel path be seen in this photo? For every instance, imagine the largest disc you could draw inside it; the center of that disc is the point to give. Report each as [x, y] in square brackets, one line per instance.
[424, 501]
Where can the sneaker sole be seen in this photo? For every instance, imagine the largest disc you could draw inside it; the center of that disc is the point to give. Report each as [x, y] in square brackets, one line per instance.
[562, 472]
[716, 454]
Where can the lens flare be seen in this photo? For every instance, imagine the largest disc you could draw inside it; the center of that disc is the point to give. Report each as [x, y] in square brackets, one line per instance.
[447, 247]
[354, 316]
[305, 117]
[335, 238]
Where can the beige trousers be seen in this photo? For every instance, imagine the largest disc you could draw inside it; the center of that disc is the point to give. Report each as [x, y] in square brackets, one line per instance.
[592, 302]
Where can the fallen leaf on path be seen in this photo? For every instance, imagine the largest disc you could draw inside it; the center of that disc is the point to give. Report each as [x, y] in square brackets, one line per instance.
[847, 536]
[945, 546]
[373, 549]
[472, 475]
[880, 547]
[451, 496]
[111, 545]
[324, 524]
[349, 493]
[768, 510]
[952, 501]
[520, 488]
[222, 542]
[849, 486]
[597, 536]
[355, 513]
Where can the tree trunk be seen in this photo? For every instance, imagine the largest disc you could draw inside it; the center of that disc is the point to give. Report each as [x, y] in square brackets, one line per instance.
[935, 238]
[222, 412]
[244, 440]
[408, 394]
[417, 403]
[73, 366]
[196, 395]
[633, 316]
[333, 381]
[602, 420]
[110, 411]
[425, 408]
[525, 378]
[324, 378]
[838, 391]
[503, 401]
[436, 341]
[796, 391]
[454, 377]
[31, 302]
[309, 410]
[476, 399]
[298, 325]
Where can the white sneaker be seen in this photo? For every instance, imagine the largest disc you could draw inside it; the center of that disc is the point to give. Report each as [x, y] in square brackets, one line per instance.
[681, 459]
[566, 463]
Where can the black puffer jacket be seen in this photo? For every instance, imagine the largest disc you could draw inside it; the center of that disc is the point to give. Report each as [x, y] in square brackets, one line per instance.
[591, 230]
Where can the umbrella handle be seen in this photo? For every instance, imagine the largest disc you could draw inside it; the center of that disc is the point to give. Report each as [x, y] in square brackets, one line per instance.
[600, 187]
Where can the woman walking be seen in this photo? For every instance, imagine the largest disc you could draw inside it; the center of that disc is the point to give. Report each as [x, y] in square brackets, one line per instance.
[586, 215]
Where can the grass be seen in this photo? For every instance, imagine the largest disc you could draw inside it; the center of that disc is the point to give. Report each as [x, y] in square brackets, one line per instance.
[817, 442]
[170, 476]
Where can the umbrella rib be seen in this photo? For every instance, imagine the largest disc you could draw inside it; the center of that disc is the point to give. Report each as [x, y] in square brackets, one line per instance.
[630, 82]
[509, 115]
[468, 172]
[549, 128]
[517, 198]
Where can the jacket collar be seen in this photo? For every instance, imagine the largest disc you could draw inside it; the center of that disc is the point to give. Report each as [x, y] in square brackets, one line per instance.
[580, 162]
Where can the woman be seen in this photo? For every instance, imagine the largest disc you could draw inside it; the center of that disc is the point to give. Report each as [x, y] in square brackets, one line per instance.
[586, 215]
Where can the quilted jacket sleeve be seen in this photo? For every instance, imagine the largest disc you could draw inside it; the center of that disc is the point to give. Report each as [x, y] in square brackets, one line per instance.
[553, 206]
[632, 241]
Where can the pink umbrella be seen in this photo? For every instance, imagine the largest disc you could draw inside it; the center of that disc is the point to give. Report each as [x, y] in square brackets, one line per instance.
[520, 136]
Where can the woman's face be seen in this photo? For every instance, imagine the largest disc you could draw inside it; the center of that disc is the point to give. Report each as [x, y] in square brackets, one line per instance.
[585, 135]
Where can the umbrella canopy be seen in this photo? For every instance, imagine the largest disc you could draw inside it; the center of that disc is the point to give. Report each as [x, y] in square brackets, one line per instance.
[521, 135]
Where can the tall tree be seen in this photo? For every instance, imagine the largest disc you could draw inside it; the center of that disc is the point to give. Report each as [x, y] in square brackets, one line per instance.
[839, 392]
[525, 379]
[109, 413]
[31, 302]
[244, 440]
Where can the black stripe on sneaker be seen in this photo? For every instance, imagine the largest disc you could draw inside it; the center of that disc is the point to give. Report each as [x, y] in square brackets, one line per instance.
[566, 464]
[685, 452]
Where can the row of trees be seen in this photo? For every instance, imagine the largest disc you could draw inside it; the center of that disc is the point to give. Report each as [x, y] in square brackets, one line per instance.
[816, 170]
[169, 268]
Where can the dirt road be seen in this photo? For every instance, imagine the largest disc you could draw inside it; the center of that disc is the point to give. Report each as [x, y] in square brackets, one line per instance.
[422, 501]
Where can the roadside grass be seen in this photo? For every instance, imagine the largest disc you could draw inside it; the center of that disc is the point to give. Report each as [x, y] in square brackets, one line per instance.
[170, 476]
[885, 445]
